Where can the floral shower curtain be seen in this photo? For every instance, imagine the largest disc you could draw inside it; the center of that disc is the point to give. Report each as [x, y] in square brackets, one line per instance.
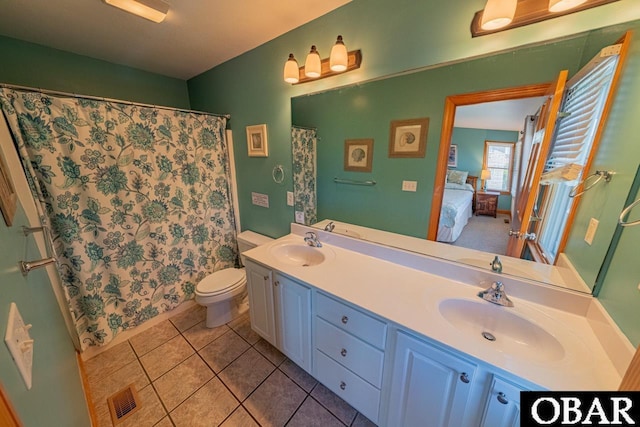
[303, 148]
[137, 199]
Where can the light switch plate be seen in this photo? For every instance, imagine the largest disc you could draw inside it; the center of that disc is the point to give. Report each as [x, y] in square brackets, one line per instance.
[289, 198]
[409, 186]
[20, 344]
[591, 231]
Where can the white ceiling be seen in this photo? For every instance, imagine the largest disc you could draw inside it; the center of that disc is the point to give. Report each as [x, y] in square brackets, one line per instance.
[498, 115]
[195, 36]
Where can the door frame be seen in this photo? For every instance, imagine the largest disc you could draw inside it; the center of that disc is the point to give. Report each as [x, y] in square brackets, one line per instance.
[450, 104]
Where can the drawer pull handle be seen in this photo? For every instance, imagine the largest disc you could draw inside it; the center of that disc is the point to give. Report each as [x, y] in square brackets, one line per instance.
[502, 398]
[343, 385]
[343, 352]
[265, 277]
[464, 377]
[345, 319]
[276, 283]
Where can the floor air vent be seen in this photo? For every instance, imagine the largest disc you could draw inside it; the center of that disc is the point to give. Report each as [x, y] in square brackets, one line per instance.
[123, 404]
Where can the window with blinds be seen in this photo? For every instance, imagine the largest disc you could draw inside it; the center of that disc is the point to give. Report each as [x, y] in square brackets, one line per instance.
[583, 105]
[581, 111]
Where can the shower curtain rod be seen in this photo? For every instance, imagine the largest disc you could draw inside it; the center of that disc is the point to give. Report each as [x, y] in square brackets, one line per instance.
[304, 127]
[99, 98]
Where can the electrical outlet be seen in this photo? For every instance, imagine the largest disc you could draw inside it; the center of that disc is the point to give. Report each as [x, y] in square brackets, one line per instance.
[409, 185]
[591, 231]
[289, 198]
[20, 344]
[300, 217]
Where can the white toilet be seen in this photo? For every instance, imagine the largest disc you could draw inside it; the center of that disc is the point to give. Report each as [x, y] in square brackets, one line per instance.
[224, 292]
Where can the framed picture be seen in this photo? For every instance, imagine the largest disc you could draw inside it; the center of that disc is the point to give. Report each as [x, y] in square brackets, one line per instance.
[452, 161]
[408, 138]
[257, 141]
[8, 196]
[358, 155]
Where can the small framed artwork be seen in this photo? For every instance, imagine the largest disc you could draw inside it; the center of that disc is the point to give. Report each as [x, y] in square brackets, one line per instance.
[257, 141]
[358, 155]
[408, 138]
[453, 156]
[8, 196]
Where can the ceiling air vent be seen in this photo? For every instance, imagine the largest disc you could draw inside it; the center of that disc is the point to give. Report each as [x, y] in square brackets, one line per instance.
[123, 404]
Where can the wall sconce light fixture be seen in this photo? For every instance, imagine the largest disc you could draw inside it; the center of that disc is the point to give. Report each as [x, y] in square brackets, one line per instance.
[315, 68]
[153, 10]
[501, 15]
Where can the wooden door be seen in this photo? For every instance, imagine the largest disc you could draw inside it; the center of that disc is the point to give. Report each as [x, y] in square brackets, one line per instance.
[543, 137]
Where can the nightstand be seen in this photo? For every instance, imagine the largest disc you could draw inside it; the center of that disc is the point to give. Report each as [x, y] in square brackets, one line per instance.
[487, 203]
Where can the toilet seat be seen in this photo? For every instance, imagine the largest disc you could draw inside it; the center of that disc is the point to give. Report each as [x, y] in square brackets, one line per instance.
[221, 282]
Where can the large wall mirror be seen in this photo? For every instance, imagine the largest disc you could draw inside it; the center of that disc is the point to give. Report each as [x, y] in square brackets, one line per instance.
[365, 111]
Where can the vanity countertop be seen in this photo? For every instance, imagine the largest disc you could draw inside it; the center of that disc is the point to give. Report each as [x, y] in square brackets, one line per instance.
[410, 298]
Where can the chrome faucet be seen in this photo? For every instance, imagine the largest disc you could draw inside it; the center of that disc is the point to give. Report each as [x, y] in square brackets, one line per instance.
[311, 239]
[330, 226]
[496, 265]
[496, 294]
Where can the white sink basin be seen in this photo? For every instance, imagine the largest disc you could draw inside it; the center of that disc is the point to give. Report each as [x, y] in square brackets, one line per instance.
[300, 254]
[498, 326]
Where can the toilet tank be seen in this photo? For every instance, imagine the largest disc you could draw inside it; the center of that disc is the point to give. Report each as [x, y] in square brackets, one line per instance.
[250, 239]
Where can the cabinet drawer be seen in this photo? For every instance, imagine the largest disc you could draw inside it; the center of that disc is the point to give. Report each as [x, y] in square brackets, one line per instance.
[350, 387]
[365, 327]
[354, 354]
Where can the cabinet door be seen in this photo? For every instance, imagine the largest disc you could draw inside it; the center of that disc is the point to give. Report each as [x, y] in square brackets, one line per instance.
[502, 408]
[429, 386]
[261, 308]
[293, 305]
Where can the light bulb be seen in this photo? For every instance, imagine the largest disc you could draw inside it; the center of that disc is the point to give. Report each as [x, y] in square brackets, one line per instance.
[338, 59]
[498, 14]
[312, 66]
[562, 5]
[291, 70]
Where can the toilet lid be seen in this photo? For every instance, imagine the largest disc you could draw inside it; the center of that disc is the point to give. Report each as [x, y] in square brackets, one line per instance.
[221, 280]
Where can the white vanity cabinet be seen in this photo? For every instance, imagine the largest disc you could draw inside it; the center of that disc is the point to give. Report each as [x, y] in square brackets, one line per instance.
[261, 307]
[293, 320]
[429, 386]
[280, 310]
[502, 408]
[349, 353]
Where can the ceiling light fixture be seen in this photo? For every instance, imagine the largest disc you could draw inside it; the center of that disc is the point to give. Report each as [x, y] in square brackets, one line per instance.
[153, 10]
[315, 68]
[560, 5]
[498, 14]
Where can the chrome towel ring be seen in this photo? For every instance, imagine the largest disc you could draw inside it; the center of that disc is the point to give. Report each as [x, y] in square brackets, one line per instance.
[622, 221]
[606, 175]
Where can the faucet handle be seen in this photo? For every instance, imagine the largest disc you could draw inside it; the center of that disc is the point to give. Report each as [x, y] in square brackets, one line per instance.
[498, 286]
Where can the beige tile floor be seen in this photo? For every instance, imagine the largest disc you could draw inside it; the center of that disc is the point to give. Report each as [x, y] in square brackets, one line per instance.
[189, 375]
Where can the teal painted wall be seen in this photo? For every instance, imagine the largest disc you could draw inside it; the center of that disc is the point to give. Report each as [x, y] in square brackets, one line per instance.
[56, 397]
[32, 65]
[471, 152]
[394, 36]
